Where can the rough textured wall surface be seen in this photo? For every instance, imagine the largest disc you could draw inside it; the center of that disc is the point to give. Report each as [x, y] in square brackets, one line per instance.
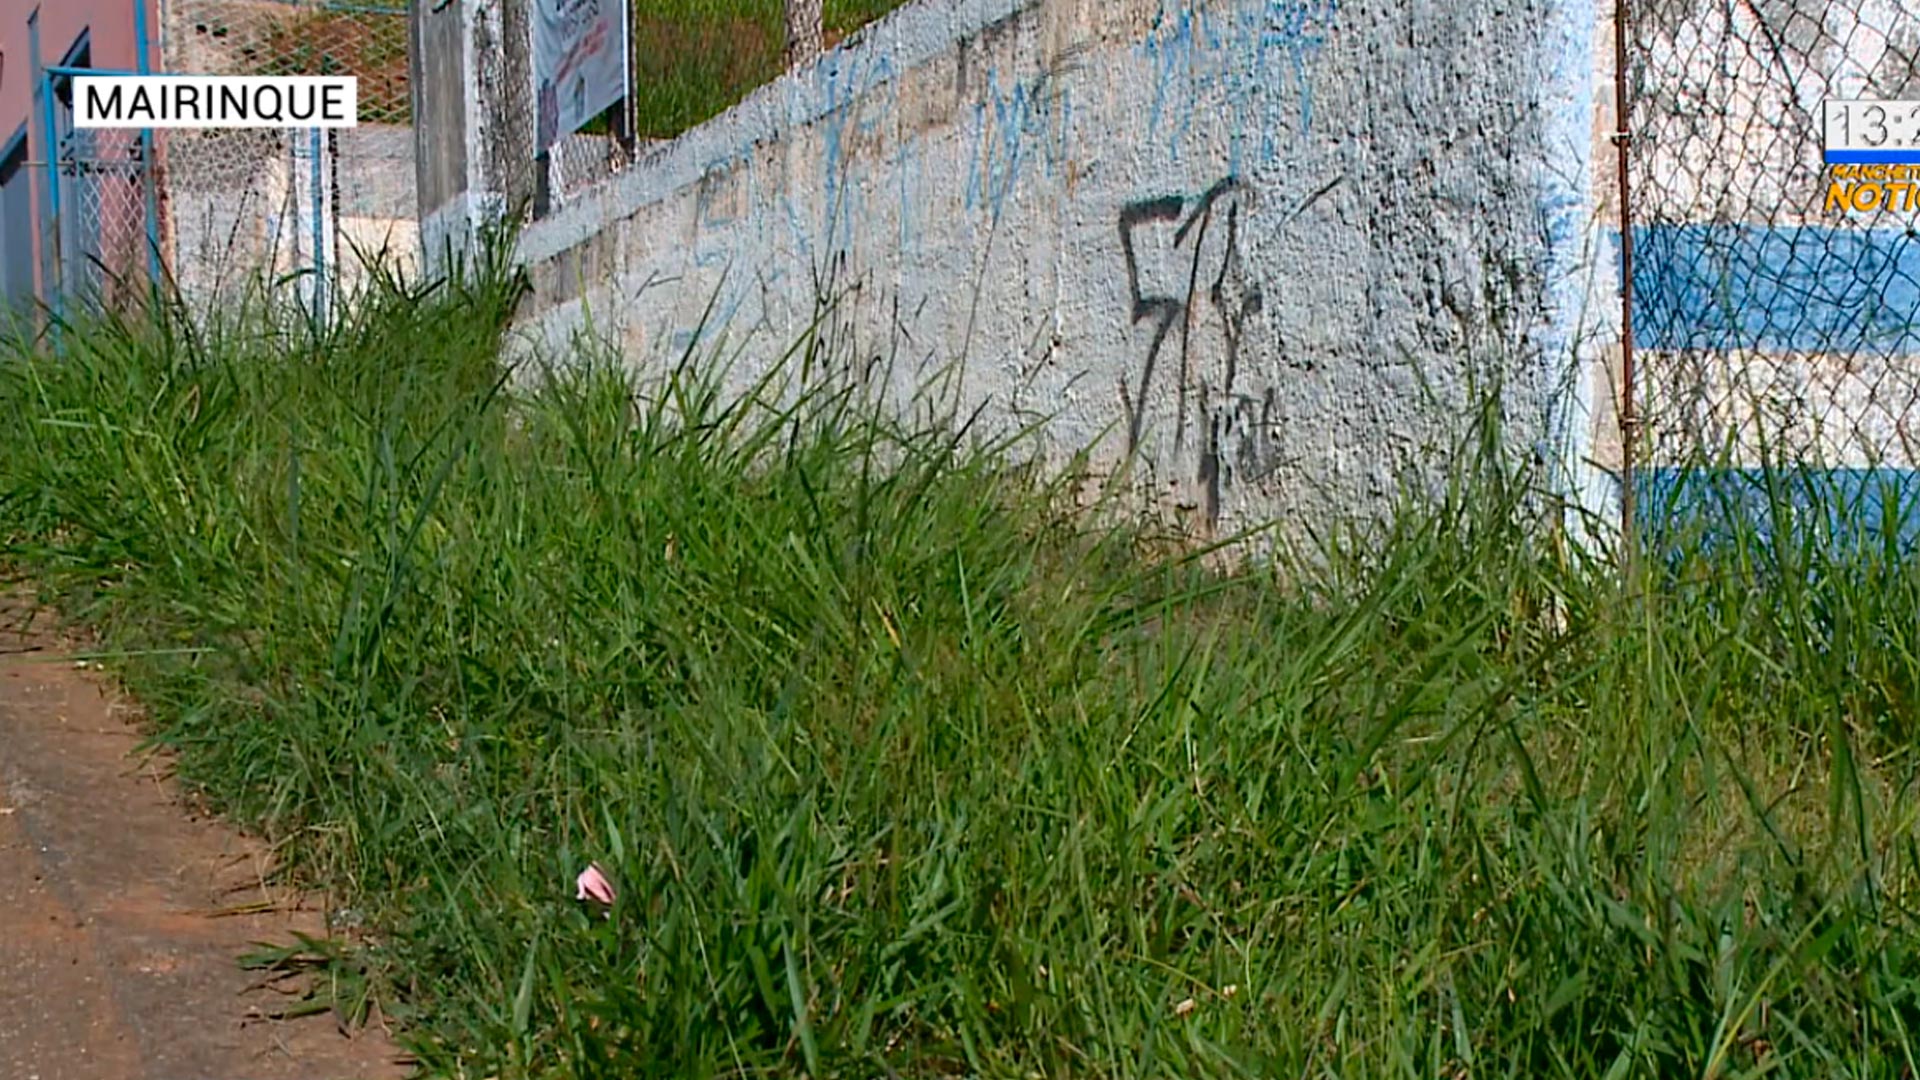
[1270, 245]
[474, 126]
[375, 206]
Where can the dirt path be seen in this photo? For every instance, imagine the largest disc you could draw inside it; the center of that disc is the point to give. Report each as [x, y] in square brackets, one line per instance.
[113, 962]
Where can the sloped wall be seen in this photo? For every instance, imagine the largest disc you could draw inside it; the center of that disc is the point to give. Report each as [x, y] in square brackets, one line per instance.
[1267, 245]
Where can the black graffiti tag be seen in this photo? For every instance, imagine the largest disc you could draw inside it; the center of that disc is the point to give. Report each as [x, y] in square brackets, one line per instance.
[1232, 299]
[1195, 217]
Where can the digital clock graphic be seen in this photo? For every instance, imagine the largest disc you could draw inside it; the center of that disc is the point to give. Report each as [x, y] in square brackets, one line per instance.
[1860, 132]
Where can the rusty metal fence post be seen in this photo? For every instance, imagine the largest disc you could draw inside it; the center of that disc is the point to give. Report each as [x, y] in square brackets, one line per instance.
[1623, 144]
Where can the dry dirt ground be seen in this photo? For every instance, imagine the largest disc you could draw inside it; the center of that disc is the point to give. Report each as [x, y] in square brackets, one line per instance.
[123, 911]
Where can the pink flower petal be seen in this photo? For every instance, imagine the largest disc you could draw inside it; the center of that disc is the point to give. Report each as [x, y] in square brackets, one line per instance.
[592, 884]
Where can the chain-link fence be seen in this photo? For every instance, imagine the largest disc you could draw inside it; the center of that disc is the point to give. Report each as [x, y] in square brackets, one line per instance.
[1772, 324]
[240, 205]
[103, 237]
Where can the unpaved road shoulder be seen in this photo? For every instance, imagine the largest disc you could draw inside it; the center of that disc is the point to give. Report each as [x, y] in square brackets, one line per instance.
[115, 963]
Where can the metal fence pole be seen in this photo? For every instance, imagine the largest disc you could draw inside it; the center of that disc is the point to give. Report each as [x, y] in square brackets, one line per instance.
[143, 65]
[319, 230]
[57, 276]
[1622, 141]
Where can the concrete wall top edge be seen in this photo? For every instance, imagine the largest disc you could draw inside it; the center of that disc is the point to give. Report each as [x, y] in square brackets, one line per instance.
[907, 38]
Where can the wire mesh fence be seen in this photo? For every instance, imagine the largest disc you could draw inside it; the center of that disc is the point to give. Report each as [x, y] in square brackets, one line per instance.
[239, 205]
[104, 215]
[1774, 323]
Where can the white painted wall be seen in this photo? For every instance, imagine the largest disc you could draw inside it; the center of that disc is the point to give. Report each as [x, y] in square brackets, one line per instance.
[1240, 235]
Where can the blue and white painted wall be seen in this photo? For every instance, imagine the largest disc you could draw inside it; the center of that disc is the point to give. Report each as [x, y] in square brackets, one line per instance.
[1269, 245]
[1771, 328]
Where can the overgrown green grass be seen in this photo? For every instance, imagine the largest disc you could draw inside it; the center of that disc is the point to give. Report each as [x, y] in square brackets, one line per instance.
[698, 58]
[903, 769]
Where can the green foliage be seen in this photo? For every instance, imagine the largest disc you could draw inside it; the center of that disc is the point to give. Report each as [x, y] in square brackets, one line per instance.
[694, 59]
[901, 768]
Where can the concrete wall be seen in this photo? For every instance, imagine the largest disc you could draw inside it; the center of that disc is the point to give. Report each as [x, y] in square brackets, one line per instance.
[1238, 237]
[473, 103]
[376, 208]
[231, 207]
[438, 62]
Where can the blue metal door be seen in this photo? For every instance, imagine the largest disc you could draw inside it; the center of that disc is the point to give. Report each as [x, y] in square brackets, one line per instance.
[16, 234]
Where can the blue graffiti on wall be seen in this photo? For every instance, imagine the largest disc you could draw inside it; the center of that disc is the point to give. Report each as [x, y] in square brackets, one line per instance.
[851, 100]
[1204, 61]
[1011, 126]
[908, 169]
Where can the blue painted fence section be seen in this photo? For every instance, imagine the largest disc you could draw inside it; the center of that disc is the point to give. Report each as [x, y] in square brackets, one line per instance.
[1845, 510]
[1797, 289]
[1777, 289]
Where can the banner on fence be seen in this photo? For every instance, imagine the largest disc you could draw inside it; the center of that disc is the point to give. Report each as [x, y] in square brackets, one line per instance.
[579, 63]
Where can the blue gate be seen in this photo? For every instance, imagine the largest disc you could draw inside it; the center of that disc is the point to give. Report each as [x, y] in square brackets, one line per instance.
[104, 244]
